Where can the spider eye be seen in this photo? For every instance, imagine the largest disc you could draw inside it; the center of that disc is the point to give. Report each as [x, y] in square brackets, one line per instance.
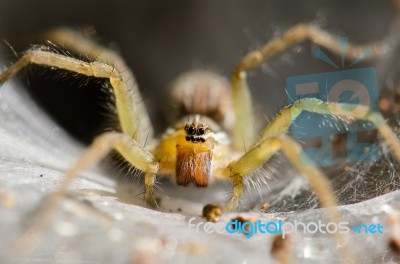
[190, 130]
[201, 131]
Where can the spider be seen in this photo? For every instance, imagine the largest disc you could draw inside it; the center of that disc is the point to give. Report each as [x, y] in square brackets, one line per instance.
[213, 139]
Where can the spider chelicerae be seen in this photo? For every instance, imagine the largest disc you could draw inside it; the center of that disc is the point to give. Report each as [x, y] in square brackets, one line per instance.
[213, 139]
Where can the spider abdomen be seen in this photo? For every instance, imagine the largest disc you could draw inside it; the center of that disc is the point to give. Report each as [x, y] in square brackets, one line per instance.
[204, 93]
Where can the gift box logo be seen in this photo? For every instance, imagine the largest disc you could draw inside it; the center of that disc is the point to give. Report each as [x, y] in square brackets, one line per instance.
[355, 86]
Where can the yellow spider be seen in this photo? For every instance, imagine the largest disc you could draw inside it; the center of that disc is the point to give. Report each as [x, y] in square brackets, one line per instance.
[214, 139]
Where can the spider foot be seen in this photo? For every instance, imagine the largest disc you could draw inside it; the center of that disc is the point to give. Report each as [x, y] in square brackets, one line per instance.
[232, 204]
[151, 199]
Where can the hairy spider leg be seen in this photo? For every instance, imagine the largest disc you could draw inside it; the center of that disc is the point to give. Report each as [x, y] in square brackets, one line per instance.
[102, 145]
[288, 114]
[273, 140]
[134, 118]
[262, 152]
[243, 136]
[131, 111]
[267, 144]
[133, 152]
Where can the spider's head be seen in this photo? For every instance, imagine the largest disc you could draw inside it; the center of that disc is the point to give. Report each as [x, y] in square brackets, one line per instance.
[196, 131]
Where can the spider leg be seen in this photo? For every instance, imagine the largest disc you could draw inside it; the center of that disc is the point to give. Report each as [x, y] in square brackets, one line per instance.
[288, 114]
[131, 150]
[319, 182]
[243, 136]
[273, 139]
[76, 42]
[262, 151]
[133, 118]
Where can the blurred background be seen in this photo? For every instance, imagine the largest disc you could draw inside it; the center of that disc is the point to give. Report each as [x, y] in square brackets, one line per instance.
[161, 39]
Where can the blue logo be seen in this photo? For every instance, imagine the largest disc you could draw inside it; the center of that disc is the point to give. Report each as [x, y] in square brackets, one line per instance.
[249, 229]
[368, 229]
[354, 86]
